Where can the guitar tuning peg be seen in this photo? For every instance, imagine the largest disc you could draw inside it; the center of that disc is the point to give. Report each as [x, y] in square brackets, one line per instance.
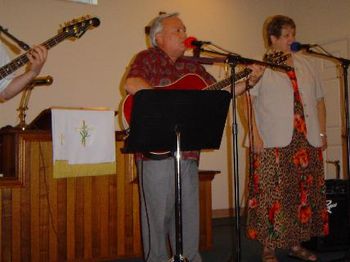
[68, 23]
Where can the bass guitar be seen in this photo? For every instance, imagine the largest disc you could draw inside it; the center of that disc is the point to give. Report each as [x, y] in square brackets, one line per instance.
[76, 28]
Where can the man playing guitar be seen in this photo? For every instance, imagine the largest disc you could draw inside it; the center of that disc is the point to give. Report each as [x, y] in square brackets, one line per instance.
[162, 64]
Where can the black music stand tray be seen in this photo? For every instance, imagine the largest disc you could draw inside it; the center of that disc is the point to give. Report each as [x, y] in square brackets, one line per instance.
[177, 120]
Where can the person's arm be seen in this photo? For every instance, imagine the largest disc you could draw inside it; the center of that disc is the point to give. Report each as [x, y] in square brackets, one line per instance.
[134, 84]
[253, 78]
[37, 57]
[321, 113]
[258, 143]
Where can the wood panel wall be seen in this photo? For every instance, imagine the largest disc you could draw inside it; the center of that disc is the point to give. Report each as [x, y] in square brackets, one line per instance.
[74, 219]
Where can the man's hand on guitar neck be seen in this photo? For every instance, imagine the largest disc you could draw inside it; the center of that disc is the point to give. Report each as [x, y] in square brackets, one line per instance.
[252, 79]
[134, 84]
[255, 75]
[37, 58]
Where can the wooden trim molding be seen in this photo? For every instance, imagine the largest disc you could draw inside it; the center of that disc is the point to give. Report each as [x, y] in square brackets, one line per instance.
[226, 212]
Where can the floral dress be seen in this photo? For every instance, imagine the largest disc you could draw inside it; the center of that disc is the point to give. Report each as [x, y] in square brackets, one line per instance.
[287, 202]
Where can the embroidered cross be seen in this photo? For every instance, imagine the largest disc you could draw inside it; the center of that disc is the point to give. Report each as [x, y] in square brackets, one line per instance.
[84, 132]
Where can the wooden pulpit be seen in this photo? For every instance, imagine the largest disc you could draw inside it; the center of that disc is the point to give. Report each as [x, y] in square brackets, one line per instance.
[71, 219]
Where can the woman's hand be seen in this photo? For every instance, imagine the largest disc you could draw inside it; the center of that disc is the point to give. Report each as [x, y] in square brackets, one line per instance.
[323, 142]
[258, 144]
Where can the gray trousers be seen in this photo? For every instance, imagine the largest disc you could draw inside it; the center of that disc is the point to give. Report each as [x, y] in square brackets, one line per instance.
[157, 191]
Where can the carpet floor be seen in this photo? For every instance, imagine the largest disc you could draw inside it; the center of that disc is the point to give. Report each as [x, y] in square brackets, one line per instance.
[223, 247]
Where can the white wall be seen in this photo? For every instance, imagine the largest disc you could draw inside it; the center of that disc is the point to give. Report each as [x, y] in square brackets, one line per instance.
[88, 72]
[320, 21]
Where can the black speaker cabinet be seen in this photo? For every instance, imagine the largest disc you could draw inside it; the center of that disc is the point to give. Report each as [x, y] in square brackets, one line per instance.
[337, 194]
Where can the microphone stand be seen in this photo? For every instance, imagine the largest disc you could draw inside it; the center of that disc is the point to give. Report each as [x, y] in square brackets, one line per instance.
[23, 105]
[344, 65]
[240, 60]
[20, 43]
[233, 60]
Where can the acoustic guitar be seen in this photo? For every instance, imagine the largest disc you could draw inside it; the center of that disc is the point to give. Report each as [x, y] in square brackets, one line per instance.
[197, 83]
[192, 80]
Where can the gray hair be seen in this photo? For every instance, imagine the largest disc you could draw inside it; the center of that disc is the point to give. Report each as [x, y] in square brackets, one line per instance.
[156, 26]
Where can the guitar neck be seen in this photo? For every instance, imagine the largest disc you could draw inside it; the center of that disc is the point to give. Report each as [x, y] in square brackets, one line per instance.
[227, 81]
[23, 59]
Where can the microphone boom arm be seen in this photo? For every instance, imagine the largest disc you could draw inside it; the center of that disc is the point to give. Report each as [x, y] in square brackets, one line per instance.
[242, 60]
[237, 59]
[328, 56]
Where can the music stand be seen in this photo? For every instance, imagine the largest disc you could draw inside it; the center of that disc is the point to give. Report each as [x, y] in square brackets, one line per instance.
[177, 120]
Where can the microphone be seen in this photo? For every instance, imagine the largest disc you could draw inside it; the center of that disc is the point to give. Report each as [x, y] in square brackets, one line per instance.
[192, 42]
[42, 81]
[296, 46]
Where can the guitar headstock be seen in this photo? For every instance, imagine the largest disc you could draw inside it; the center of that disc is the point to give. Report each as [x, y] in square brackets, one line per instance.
[276, 60]
[77, 27]
[276, 57]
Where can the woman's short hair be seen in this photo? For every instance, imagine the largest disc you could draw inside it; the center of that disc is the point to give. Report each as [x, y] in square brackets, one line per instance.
[156, 26]
[273, 26]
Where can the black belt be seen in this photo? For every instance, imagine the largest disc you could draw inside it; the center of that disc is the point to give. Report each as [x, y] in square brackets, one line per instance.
[160, 156]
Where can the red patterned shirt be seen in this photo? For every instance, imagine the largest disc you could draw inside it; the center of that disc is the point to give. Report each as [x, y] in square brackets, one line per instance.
[156, 68]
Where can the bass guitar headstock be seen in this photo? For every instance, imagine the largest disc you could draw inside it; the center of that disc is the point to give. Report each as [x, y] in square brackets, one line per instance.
[77, 27]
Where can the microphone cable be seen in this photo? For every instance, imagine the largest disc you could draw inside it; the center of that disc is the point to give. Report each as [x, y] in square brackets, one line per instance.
[146, 212]
[250, 133]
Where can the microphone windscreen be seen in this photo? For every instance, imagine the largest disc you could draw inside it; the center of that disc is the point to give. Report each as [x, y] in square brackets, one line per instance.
[188, 42]
[295, 46]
